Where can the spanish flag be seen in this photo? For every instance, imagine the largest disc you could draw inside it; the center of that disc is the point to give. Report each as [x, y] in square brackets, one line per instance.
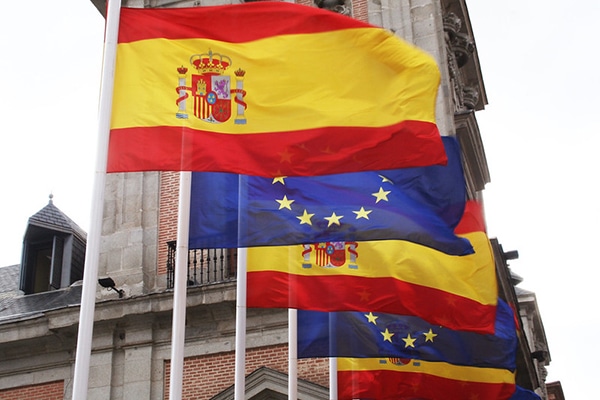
[388, 276]
[397, 378]
[268, 89]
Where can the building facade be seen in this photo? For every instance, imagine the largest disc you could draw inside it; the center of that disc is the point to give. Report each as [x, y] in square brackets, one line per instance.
[131, 345]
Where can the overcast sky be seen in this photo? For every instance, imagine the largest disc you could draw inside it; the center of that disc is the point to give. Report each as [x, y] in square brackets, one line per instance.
[541, 137]
[540, 131]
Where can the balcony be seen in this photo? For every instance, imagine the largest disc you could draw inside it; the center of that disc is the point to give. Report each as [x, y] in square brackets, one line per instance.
[204, 266]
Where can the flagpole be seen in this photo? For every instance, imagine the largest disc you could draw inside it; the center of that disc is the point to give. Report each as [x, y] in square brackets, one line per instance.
[240, 308]
[180, 287]
[333, 381]
[92, 255]
[240, 326]
[292, 353]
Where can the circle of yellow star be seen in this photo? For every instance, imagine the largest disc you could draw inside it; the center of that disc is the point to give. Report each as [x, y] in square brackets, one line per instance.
[362, 213]
[429, 335]
[410, 342]
[387, 335]
[305, 218]
[286, 156]
[371, 318]
[381, 195]
[285, 203]
[385, 179]
[334, 219]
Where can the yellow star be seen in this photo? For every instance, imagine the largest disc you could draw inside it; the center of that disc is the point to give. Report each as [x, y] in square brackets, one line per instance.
[334, 219]
[285, 203]
[371, 318]
[279, 179]
[429, 336]
[286, 156]
[410, 342]
[384, 179]
[364, 295]
[362, 213]
[381, 195]
[387, 335]
[305, 218]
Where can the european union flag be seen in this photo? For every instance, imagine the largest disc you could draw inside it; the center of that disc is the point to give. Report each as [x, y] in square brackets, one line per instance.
[420, 205]
[524, 394]
[372, 335]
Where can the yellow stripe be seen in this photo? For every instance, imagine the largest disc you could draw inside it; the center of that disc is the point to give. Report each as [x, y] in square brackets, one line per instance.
[471, 276]
[441, 369]
[301, 90]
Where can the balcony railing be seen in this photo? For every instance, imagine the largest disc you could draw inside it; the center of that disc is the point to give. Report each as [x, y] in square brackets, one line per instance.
[204, 266]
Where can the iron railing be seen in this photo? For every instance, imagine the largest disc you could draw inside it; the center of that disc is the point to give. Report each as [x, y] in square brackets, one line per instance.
[204, 266]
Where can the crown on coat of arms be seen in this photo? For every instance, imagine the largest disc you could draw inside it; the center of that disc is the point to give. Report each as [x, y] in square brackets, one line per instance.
[210, 62]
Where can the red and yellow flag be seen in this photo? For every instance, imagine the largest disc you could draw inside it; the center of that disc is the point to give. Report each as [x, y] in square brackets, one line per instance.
[391, 276]
[269, 89]
[397, 378]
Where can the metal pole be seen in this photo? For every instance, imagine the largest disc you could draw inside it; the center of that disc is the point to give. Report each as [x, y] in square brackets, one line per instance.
[180, 287]
[240, 326]
[240, 305]
[293, 353]
[333, 383]
[92, 255]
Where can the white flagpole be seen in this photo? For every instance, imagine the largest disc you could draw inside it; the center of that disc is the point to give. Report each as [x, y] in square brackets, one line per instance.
[240, 306]
[240, 326]
[333, 383]
[293, 353]
[92, 255]
[180, 287]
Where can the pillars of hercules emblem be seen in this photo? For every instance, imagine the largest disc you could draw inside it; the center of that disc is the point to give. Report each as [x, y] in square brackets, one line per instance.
[240, 118]
[181, 89]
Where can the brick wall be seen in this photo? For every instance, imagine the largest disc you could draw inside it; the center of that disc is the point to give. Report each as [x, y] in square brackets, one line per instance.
[360, 10]
[42, 391]
[207, 376]
[167, 223]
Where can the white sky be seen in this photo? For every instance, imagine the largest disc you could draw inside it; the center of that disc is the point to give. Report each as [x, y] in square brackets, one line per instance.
[540, 130]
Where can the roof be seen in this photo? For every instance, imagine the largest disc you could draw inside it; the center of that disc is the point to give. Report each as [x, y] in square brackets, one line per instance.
[50, 217]
[12, 308]
[9, 281]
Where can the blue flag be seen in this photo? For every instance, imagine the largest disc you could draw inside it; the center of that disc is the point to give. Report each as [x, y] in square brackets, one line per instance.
[371, 335]
[421, 205]
[524, 394]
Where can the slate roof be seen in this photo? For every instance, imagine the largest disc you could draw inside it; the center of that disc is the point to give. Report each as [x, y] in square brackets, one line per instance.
[9, 281]
[23, 306]
[15, 305]
[51, 217]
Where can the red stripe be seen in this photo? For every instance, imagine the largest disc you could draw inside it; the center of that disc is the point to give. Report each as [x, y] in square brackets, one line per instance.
[472, 219]
[271, 289]
[349, 149]
[229, 23]
[391, 385]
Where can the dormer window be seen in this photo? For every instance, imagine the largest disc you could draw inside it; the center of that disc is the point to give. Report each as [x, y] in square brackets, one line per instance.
[53, 251]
